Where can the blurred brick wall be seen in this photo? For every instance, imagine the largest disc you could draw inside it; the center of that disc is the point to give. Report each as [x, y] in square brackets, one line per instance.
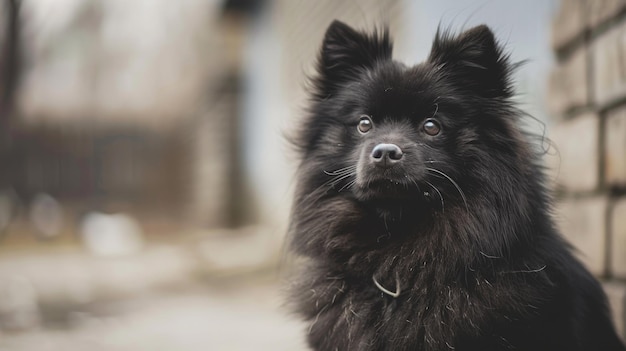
[588, 104]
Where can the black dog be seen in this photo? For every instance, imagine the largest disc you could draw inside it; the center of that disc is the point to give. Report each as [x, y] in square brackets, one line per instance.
[423, 212]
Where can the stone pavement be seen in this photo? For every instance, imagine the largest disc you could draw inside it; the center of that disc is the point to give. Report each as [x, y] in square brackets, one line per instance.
[223, 316]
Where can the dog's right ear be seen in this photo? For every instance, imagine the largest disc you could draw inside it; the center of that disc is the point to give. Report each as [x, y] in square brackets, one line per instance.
[346, 52]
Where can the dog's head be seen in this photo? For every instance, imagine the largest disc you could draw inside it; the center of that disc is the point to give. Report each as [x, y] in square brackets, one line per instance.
[379, 129]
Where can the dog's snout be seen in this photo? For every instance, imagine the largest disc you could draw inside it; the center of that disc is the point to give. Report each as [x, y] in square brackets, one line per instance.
[386, 155]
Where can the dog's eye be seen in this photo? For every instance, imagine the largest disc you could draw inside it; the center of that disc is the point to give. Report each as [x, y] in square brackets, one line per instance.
[365, 124]
[431, 127]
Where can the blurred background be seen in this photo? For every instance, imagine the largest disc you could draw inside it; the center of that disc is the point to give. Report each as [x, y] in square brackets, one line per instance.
[145, 179]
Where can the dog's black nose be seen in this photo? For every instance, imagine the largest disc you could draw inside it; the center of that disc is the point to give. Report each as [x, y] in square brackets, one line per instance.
[386, 155]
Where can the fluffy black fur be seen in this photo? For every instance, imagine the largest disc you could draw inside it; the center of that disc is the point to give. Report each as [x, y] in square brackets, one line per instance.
[451, 248]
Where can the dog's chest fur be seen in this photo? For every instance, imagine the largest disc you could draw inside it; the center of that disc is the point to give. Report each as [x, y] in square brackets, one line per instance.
[410, 306]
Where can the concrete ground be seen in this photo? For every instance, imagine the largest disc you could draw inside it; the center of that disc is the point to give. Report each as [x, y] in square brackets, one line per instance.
[234, 315]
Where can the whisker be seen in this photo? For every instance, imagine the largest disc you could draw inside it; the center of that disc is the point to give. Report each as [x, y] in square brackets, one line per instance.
[416, 185]
[340, 171]
[443, 207]
[330, 183]
[339, 179]
[436, 110]
[348, 185]
[453, 183]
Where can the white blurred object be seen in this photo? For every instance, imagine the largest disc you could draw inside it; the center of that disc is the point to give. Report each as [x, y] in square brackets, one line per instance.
[46, 215]
[19, 309]
[111, 235]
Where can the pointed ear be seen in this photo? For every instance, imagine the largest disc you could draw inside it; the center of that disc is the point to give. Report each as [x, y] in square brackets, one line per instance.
[474, 60]
[346, 52]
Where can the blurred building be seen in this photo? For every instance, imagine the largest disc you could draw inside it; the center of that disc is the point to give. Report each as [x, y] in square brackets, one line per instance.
[128, 107]
[173, 112]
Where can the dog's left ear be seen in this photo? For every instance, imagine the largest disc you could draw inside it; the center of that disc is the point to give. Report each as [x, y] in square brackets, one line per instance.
[475, 60]
[346, 52]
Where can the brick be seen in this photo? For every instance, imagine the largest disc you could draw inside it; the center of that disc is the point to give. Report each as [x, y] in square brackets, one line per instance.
[582, 222]
[603, 10]
[618, 239]
[616, 293]
[569, 23]
[609, 66]
[615, 148]
[576, 141]
[568, 84]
